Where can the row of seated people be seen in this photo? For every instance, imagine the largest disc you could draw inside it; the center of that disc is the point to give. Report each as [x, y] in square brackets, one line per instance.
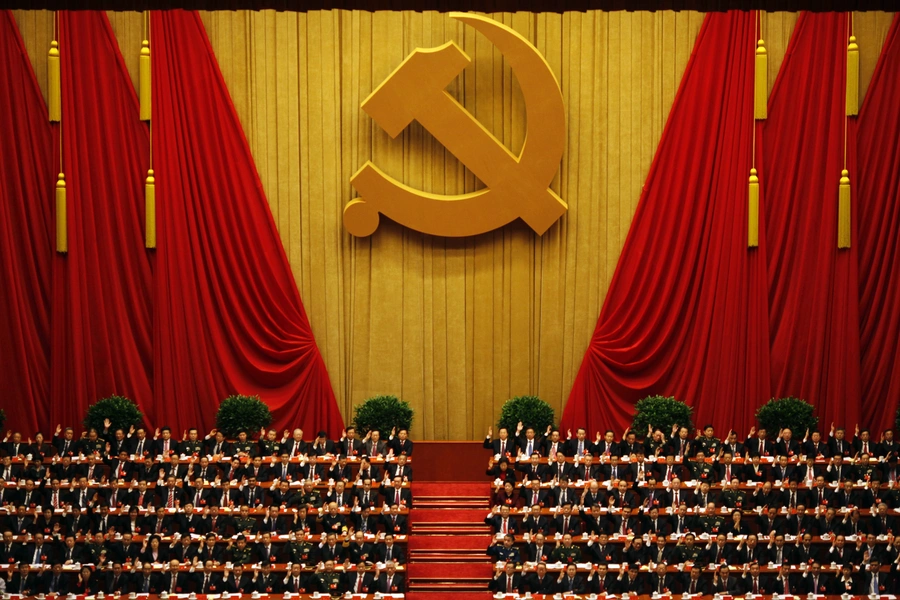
[674, 494]
[331, 578]
[136, 442]
[165, 522]
[526, 440]
[263, 548]
[771, 549]
[720, 467]
[664, 580]
[709, 520]
[200, 493]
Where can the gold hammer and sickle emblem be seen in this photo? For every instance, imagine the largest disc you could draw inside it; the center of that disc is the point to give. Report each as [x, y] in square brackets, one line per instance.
[517, 186]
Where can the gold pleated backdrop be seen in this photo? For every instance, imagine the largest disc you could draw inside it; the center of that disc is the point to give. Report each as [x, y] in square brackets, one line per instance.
[455, 326]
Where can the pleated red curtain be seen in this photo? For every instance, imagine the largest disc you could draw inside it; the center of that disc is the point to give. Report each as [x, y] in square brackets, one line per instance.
[686, 312]
[101, 325]
[228, 313]
[878, 186]
[813, 297]
[26, 234]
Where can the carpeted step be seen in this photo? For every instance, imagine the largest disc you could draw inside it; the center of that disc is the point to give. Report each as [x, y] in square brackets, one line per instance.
[438, 515]
[450, 489]
[423, 556]
[453, 504]
[448, 587]
[450, 571]
[455, 543]
[452, 594]
[450, 529]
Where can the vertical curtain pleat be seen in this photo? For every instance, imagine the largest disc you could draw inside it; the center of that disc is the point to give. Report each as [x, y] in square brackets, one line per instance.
[101, 326]
[26, 232]
[878, 188]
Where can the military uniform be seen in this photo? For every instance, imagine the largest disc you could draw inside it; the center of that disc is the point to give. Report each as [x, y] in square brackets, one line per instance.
[711, 524]
[245, 447]
[701, 470]
[241, 556]
[686, 554]
[504, 554]
[313, 498]
[242, 524]
[190, 448]
[709, 446]
[734, 498]
[569, 555]
[90, 447]
[268, 448]
[330, 583]
[300, 552]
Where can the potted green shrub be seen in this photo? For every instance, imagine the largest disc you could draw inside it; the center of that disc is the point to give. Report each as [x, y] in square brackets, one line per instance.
[792, 413]
[122, 413]
[661, 412]
[238, 412]
[531, 411]
[382, 413]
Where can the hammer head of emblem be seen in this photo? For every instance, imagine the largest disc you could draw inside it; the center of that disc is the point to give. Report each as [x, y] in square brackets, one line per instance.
[413, 85]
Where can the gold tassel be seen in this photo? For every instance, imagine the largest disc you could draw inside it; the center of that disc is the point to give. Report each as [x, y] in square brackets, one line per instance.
[844, 211]
[150, 211]
[753, 210]
[62, 238]
[145, 80]
[53, 92]
[761, 82]
[852, 77]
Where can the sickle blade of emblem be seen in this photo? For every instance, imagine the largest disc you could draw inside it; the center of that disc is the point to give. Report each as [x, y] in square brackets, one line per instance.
[516, 186]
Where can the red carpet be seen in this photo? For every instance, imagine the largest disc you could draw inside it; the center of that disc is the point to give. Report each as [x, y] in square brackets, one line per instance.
[450, 571]
[440, 515]
[450, 489]
[457, 542]
[448, 596]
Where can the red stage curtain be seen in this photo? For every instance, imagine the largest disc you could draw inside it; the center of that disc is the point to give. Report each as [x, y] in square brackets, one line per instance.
[101, 338]
[229, 316]
[878, 184]
[813, 302]
[686, 312]
[26, 236]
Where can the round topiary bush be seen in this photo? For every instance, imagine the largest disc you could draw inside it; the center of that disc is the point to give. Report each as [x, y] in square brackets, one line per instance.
[121, 411]
[792, 413]
[530, 410]
[382, 413]
[661, 412]
[238, 412]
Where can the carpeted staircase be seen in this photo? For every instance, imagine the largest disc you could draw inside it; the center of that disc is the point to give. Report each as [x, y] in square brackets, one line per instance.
[447, 543]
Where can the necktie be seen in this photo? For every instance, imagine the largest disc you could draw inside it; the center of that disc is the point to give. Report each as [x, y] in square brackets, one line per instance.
[580, 448]
[400, 471]
[728, 473]
[866, 447]
[397, 497]
[565, 524]
[529, 448]
[693, 586]
[389, 583]
[166, 447]
[173, 583]
[503, 527]
[387, 554]
[874, 589]
[56, 499]
[146, 587]
[297, 584]
[171, 501]
[502, 447]
[66, 446]
[755, 585]
[675, 499]
[793, 499]
[509, 584]
[205, 583]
